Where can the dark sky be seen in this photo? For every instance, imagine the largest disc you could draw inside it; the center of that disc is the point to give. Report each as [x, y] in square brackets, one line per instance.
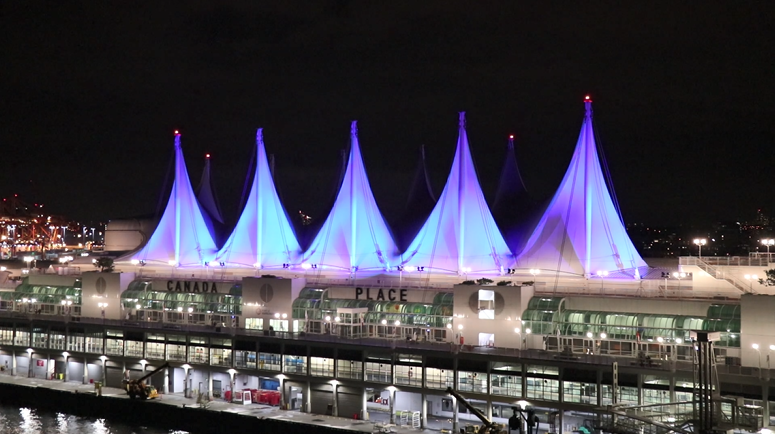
[90, 93]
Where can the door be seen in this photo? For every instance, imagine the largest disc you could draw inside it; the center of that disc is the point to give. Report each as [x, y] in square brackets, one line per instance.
[321, 399]
[349, 402]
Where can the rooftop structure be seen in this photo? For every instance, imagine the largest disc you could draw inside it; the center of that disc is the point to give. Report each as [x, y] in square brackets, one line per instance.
[354, 236]
[263, 236]
[581, 231]
[183, 238]
[460, 235]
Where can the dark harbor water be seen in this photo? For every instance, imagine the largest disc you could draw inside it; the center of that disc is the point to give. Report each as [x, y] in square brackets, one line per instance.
[24, 420]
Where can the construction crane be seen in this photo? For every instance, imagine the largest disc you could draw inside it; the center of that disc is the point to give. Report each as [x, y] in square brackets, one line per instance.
[138, 388]
[488, 427]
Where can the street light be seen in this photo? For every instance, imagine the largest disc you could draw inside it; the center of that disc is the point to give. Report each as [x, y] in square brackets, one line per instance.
[535, 272]
[768, 242]
[602, 275]
[751, 278]
[679, 276]
[756, 347]
[699, 242]
[102, 306]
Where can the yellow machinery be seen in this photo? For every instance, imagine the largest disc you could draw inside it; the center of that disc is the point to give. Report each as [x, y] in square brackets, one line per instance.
[138, 389]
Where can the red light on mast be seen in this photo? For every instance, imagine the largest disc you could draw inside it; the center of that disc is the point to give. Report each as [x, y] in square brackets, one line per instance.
[511, 136]
[587, 98]
[207, 155]
[177, 133]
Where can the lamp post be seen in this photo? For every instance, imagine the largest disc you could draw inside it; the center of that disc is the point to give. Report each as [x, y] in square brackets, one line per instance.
[591, 338]
[660, 340]
[602, 275]
[679, 276]
[699, 242]
[460, 341]
[768, 242]
[102, 307]
[751, 278]
[756, 347]
[384, 327]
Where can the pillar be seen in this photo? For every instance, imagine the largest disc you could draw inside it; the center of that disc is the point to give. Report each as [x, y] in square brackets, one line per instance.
[166, 385]
[365, 406]
[48, 365]
[424, 411]
[392, 406]
[455, 424]
[13, 362]
[765, 404]
[672, 389]
[67, 371]
[104, 371]
[209, 384]
[335, 407]
[85, 371]
[187, 372]
[640, 389]
[489, 409]
[29, 364]
[282, 392]
[307, 406]
[598, 384]
[560, 420]
[231, 384]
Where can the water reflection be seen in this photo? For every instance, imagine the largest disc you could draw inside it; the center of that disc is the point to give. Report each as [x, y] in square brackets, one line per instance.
[16, 420]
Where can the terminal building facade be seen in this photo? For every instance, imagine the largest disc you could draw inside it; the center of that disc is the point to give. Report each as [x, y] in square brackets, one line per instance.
[566, 321]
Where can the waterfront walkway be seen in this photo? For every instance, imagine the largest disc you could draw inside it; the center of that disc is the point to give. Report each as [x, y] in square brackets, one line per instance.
[378, 420]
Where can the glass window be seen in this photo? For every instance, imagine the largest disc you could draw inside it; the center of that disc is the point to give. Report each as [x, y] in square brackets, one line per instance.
[22, 338]
[254, 323]
[133, 349]
[220, 356]
[472, 381]
[349, 369]
[39, 339]
[269, 361]
[114, 347]
[296, 364]
[198, 354]
[6, 335]
[378, 372]
[439, 378]
[245, 359]
[409, 375]
[176, 352]
[486, 304]
[154, 350]
[584, 393]
[506, 384]
[57, 342]
[543, 388]
[321, 367]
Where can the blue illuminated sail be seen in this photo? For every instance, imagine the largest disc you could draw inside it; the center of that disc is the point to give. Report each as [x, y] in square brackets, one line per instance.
[182, 237]
[355, 236]
[581, 231]
[263, 236]
[460, 235]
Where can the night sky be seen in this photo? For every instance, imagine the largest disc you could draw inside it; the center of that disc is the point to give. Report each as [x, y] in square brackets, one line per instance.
[90, 93]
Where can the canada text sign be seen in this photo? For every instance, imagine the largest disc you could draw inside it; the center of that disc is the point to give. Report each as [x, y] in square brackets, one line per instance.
[191, 286]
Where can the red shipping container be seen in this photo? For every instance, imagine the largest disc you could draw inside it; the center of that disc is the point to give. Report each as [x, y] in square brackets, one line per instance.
[227, 395]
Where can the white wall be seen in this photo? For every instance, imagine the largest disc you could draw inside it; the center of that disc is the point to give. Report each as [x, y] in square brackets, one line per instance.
[103, 288]
[408, 401]
[757, 325]
[515, 300]
[264, 297]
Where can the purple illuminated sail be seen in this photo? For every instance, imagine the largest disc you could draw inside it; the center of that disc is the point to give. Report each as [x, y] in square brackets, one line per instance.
[355, 236]
[581, 232]
[182, 237]
[460, 235]
[263, 236]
